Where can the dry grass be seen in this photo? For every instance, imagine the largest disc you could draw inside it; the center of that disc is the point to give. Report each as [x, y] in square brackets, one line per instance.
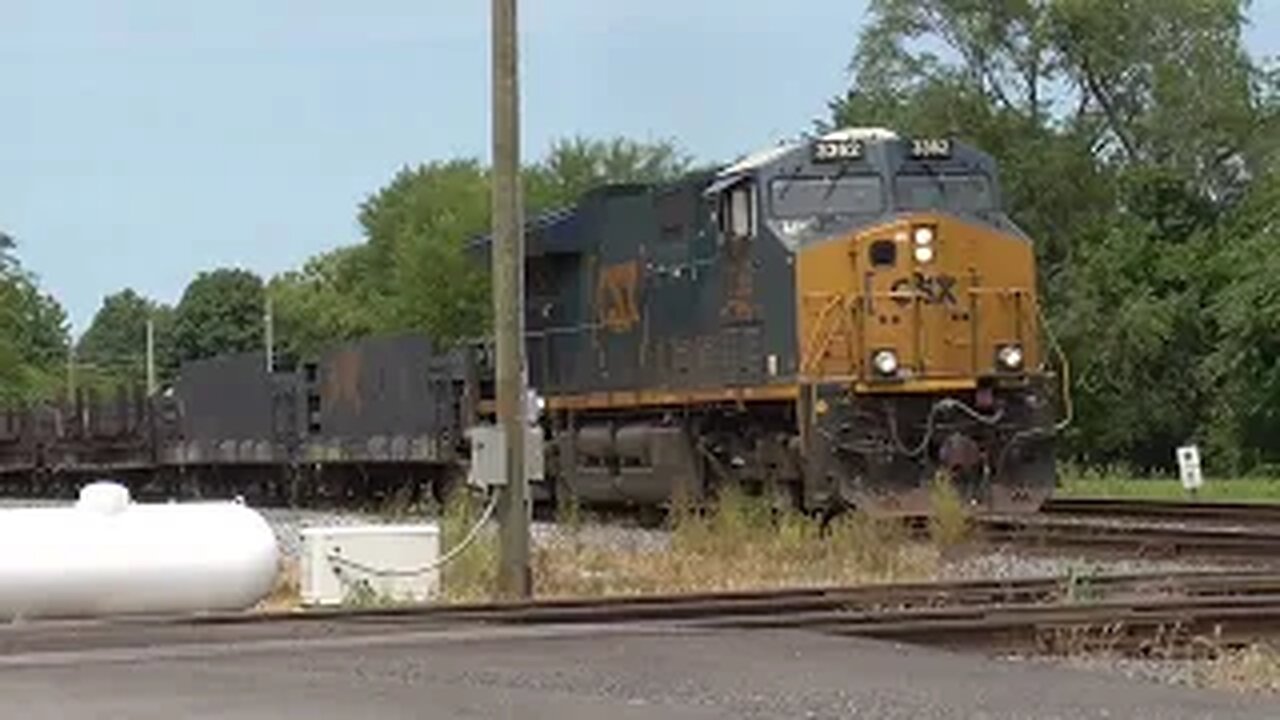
[949, 524]
[1252, 669]
[1213, 663]
[741, 543]
[472, 575]
[286, 594]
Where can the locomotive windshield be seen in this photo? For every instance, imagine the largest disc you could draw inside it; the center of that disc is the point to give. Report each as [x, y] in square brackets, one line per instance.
[809, 196]
[966, 193]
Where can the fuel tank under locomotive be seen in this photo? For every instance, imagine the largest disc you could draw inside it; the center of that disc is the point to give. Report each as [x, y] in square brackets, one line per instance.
[633, 463]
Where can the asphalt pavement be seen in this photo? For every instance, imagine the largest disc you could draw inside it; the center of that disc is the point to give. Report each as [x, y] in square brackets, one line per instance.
[367, 671]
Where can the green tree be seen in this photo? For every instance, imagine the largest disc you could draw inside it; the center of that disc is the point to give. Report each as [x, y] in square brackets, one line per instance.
[1165, 83]
[33, 332]
[1242, 373]
[574, 166]
[414, 271]
[1131, 320]
[7, 246]
[220, 312]
[115, 343]
[331, 299]
[417, 229]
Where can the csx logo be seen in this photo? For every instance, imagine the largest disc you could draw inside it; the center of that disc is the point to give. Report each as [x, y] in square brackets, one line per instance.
[616, 296]
[931, 289]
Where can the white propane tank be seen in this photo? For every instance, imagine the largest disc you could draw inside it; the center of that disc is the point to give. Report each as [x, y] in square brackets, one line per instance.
[109, 556]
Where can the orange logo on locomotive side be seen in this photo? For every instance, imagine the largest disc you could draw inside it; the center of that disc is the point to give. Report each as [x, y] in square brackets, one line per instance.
[616, 306]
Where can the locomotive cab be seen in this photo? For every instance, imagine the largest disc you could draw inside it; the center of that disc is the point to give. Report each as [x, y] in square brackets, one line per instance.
[917, 320]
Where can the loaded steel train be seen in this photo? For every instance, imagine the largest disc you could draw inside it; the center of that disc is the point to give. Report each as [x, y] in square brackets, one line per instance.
[830, 321]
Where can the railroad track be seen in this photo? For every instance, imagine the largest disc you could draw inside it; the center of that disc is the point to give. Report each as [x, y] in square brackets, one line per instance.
[1168, 613]
[1125, 612]
[874, 597]
[1226, 513]
[1163, 625]
[1132, 538]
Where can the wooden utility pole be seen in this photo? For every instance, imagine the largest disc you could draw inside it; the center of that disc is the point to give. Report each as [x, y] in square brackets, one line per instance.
[269, 330]
[514, 579]
[151, 356]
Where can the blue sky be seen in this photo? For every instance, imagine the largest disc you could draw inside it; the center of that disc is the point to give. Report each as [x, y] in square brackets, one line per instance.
[143, 140]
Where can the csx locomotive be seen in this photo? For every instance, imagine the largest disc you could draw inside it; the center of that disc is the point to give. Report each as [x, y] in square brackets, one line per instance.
[831, 322]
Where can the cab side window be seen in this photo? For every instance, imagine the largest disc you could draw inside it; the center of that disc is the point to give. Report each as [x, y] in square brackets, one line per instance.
[738, 211]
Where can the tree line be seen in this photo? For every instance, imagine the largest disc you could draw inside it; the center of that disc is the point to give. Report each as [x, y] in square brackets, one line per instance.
[33, 337]
[1139, 144]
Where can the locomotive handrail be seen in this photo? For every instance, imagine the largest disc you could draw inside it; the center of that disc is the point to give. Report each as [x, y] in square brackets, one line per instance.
[1067, 405]
[834, 301]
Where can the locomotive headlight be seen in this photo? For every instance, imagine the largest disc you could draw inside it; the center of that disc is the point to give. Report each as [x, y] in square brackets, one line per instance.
[885, 362]
[1010, 357]
[924, 253]
[924, 235]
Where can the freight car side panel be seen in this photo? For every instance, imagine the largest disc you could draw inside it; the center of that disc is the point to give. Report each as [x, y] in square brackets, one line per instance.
[379, 386]
[390, 399]
[226, 398]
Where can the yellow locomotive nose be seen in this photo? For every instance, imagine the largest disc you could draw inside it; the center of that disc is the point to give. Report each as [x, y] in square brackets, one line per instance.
[925, 302]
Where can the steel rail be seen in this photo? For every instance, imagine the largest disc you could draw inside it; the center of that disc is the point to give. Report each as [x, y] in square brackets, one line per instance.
[1149, 509]
[1003, 613]
[1120, 624]
[1143, 539]
[683, 606]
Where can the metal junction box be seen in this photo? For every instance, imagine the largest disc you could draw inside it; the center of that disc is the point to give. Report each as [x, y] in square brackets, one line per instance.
[489, 455]
[370, 563]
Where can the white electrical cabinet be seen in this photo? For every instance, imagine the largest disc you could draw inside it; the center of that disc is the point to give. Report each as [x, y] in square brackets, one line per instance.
[370, 564]
[489, 456]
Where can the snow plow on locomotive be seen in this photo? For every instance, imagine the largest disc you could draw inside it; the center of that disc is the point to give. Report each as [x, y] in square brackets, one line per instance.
[355, 424]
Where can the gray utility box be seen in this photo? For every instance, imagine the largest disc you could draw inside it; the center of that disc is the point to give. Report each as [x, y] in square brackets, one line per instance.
[489, 456]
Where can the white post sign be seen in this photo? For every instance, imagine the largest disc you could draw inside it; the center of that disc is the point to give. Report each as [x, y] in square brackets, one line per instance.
[1189, 468]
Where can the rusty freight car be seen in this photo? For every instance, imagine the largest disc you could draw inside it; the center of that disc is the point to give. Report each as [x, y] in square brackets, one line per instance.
[358, 421]
[354, 423]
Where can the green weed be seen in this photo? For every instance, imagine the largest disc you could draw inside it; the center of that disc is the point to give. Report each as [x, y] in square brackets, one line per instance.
[472, 575]
[1107, 483]
[949, 522]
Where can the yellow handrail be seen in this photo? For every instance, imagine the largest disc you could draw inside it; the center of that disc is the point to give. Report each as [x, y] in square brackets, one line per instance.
[807, 361]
